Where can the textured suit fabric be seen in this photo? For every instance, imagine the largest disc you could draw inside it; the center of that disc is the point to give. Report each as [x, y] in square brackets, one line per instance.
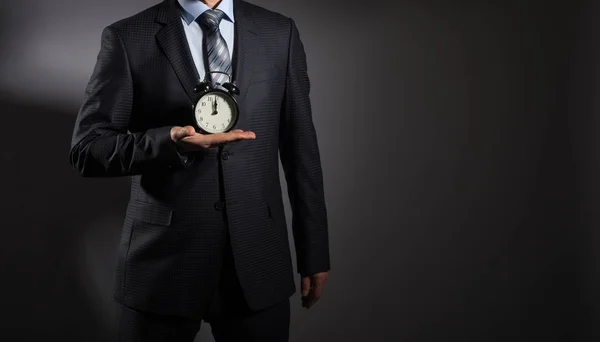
[229, 317]
[268, 325]
[173, 234]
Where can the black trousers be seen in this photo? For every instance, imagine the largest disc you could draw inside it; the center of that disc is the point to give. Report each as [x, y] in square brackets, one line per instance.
[229, 317]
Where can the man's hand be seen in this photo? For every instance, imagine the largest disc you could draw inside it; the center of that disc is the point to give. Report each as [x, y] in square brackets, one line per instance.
[189, 140]
[312, 288]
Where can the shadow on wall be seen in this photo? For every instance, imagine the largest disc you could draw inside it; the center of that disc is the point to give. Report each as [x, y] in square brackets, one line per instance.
[60, 232]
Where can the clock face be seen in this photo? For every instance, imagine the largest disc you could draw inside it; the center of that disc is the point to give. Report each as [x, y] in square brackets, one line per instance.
[216, 112]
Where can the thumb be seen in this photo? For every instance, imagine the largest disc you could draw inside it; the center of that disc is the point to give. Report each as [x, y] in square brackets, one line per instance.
[182, 132]
[189, 131]
[305, 286]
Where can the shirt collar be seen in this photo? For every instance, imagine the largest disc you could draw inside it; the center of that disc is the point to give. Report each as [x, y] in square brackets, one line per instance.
[191, 9]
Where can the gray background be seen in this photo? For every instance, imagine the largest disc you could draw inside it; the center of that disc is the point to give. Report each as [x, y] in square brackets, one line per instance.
[458, 148]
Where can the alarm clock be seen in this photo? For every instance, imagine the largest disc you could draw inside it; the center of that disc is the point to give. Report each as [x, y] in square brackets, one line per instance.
[216, 110]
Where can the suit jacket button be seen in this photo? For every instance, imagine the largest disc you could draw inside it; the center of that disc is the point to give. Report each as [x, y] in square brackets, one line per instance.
[225, 155]
[219, 205]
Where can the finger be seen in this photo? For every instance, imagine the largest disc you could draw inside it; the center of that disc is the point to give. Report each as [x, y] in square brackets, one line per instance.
[305, 301]
[240, 134]
[237, 131]
[312, 299]
[312, 302]
[314, 296]
[318, 289]
[221, 138]
[305, 286]
[244, 135]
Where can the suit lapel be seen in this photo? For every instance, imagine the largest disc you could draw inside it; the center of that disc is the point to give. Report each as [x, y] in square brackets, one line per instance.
[171, 38]
[245, 54]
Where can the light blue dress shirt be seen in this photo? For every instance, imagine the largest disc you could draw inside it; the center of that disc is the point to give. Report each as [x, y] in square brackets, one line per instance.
[190, 11]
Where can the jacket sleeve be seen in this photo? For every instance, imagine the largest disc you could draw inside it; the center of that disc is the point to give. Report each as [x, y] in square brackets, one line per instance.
[102, 145]
[302, 166]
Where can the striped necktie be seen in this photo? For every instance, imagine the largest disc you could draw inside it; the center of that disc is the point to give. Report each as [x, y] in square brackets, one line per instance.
[217, 53]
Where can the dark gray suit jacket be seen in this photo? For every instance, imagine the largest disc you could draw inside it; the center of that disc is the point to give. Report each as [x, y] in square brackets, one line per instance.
[174, 229]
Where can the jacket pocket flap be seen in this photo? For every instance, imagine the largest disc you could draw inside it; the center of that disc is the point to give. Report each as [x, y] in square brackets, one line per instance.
[152, 213]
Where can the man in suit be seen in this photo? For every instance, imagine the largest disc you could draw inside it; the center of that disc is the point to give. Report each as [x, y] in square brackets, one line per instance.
[205, 234]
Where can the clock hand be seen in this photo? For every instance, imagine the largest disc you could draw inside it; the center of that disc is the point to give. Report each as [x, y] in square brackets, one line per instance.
[215, 106]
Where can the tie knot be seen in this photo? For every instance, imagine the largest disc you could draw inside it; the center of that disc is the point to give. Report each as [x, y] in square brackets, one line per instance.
[210, 19]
